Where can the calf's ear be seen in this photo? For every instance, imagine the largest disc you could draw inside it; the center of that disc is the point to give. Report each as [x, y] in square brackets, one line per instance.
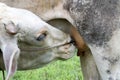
[11, 28]
[10, 49]
[10, 56]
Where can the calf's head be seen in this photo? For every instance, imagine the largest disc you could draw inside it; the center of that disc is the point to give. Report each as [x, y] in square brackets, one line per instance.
[23, 33]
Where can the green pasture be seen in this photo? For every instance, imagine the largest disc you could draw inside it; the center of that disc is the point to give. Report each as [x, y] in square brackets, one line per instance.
[59, 70]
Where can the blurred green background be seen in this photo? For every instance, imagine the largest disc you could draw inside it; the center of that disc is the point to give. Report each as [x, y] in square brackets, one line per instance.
[58, 70]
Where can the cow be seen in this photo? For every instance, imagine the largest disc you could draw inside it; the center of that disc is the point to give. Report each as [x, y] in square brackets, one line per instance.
[27, 42]
[98, 23]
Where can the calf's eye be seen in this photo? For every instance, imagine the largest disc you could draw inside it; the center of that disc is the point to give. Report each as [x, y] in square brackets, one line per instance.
[41, 37]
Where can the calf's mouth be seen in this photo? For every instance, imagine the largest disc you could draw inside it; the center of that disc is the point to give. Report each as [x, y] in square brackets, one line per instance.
[42, 49]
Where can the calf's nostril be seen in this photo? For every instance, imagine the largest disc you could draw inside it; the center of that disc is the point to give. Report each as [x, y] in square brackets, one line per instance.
[67, 46]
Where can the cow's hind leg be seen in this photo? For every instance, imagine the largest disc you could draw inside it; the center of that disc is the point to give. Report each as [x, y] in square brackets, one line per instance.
[89, 68]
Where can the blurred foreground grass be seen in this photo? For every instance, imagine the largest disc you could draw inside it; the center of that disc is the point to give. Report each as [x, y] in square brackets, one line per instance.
[59, 70]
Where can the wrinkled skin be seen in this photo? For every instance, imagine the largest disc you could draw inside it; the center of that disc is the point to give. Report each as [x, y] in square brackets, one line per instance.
[27, 42]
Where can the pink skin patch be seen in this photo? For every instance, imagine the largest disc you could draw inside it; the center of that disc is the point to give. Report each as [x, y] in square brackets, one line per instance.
[10, 55]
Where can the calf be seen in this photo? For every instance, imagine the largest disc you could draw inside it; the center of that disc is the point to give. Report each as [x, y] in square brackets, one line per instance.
[27, 42]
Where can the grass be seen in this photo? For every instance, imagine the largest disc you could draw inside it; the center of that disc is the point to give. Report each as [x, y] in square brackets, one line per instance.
[59, 70]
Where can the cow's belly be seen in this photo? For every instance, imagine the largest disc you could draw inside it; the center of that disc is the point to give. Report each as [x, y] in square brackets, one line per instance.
[108, 58]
